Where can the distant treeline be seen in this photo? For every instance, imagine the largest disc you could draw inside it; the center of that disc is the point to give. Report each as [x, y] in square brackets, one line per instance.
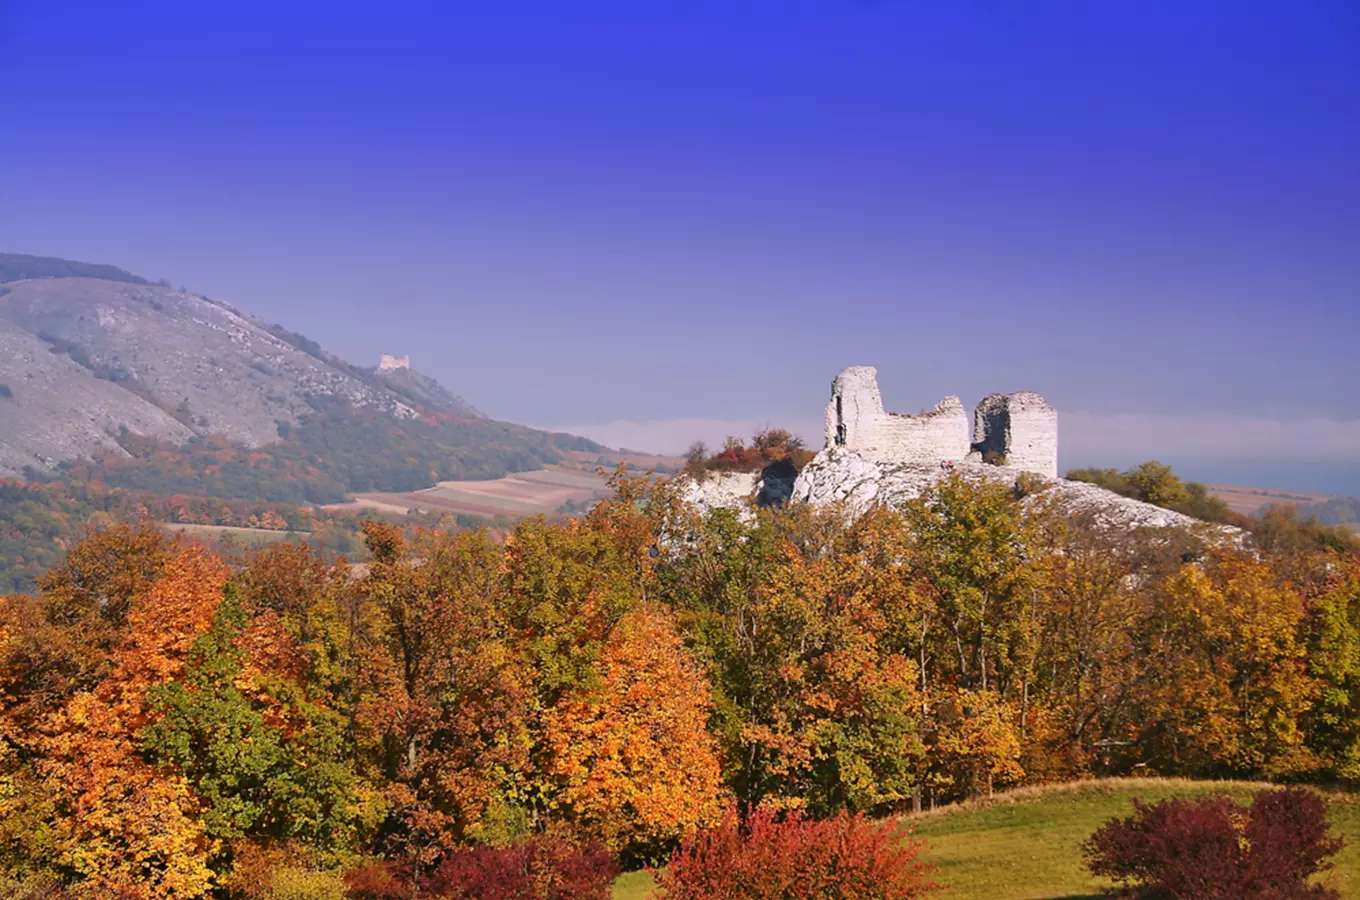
[40, 522]
[20, 267]
[1154, 482]
[1336, 511]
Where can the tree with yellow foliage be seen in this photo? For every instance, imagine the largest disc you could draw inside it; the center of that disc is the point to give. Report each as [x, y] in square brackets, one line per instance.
[635, 764]
[1227, 684]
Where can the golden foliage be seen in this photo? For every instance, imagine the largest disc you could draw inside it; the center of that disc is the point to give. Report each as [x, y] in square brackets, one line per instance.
[127, 829]
[635, 761]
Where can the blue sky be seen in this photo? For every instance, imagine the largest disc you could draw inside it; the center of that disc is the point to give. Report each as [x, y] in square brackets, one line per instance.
[675, 218]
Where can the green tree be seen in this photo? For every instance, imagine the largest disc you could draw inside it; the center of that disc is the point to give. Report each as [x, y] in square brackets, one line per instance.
[1157, 484]
[971, 550]
[249, 777]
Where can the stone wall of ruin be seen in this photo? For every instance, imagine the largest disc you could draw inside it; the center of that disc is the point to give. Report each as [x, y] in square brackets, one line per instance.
[856, 420]
[1020, 429]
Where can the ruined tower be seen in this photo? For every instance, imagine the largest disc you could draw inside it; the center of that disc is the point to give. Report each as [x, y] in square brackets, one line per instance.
[1020, 430]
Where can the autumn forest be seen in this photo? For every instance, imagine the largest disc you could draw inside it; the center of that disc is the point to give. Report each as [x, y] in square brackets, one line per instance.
[181, 724]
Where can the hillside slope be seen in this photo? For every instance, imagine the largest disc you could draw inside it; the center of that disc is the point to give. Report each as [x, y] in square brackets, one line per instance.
[21, 267]
[52, 409]
[85, 361]
[215, 370]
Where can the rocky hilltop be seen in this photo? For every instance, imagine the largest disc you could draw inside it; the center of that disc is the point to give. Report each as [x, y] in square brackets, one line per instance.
[86, 359]
[874, 457]
[858, 482]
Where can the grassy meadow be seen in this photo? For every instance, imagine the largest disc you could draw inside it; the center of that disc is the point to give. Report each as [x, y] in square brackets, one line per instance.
[250, 537]
[1025, 844]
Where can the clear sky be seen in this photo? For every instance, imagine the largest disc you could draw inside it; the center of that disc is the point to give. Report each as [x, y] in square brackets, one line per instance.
[682, 217]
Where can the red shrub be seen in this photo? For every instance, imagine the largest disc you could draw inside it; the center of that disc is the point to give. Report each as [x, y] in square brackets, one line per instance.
[1213, 849]
[379, 881]
[1288, 839]
[846, 858]
[539, 868]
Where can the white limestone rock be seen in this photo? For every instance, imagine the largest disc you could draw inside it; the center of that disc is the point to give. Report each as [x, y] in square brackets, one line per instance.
[1117, 512]
[860, 483]
[722, 490]
[873, 457]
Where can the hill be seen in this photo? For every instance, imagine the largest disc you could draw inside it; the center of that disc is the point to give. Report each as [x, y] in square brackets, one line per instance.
[21, 267]
[120, 398]
[172, 365]
[86, 362]
[1025, 844]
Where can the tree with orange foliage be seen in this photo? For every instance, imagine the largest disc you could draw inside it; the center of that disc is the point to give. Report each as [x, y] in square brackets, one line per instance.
[567, 585]
[442, 700]
[804, 627]
[69, 631]
[635, 764]
[125, 828]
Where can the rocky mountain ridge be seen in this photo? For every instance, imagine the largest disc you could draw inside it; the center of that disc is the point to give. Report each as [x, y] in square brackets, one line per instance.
[85, 361]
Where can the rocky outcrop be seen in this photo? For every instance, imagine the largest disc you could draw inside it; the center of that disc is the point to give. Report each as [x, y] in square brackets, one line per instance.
[875, 457]
[859, 482]
[722, 490]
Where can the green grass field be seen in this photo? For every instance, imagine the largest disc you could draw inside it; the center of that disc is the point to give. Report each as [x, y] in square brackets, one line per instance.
[1025, 845]
[246, 536]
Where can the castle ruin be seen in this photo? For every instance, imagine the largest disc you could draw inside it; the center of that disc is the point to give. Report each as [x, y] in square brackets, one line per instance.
[1017, 430]
[388, 363]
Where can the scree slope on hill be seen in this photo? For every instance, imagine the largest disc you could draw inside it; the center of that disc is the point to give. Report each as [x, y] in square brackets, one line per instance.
[85, 361]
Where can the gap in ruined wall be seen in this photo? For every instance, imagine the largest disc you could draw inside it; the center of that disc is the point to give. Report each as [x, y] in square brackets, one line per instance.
[994, 425]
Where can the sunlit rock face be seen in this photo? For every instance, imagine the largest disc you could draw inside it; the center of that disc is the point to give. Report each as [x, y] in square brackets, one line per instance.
[858, 482]
[722, 490]
[875, 457]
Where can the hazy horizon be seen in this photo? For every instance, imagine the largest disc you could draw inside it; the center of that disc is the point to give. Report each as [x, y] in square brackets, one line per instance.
[666, 222]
